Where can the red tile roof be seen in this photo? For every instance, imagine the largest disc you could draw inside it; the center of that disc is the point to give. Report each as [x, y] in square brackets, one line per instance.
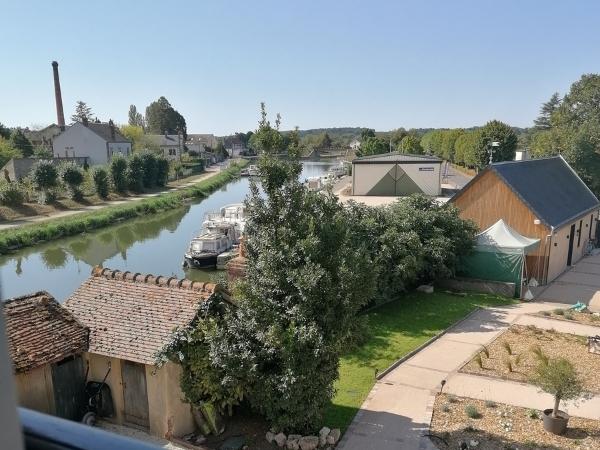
[41, 331]
[132, 316]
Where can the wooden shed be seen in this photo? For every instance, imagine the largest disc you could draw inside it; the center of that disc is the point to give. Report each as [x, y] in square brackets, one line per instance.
[540, 198]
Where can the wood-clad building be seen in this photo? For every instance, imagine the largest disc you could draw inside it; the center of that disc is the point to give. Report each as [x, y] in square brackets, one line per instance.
[540, 198]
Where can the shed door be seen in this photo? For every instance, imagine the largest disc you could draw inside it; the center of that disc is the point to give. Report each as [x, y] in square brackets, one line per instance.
[135, 395]
[68, 383]
[571, 239]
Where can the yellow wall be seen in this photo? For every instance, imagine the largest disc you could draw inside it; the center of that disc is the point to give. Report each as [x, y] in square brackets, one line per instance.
[34, 389]
[168, 414]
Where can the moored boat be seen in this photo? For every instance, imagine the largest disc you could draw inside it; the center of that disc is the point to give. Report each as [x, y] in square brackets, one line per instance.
[205, 249]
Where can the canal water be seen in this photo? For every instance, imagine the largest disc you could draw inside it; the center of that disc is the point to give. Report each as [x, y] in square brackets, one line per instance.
[153, 244]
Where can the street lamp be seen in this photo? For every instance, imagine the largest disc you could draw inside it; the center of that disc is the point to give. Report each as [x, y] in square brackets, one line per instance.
[492, 145]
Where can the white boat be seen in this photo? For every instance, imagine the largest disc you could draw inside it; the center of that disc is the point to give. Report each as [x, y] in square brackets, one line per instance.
[235, 213]
[251, 171]
[205, 248]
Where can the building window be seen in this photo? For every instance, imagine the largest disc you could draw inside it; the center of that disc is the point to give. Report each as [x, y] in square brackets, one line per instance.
[579, 233]
[591, 225]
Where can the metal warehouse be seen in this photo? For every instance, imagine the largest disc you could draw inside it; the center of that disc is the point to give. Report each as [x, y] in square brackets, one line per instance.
[396, 174]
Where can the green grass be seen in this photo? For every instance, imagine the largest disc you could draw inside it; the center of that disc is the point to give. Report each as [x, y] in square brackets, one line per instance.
[395, 329]
[57, 228]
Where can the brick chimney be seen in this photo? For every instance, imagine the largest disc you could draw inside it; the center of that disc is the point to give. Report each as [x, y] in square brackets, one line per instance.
[60, 115]
[111, 124]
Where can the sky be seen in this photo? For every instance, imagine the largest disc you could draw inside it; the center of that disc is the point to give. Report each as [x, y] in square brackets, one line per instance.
[321, 63]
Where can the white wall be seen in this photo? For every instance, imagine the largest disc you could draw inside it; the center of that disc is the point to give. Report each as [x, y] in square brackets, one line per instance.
[78, 140]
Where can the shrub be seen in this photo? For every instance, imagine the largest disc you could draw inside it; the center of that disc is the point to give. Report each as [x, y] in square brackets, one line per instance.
[518, 359]
[485, 351]
[546, 313]
[508, 364]
[490, 404]
[42, 153]
[506, 346]
[452, 399]
[472, 412]
[533, 414]
[44, 177]
[569, 316]
[162, 171]
[135, 173]
[72, 176]
[11, 194]
[559, 312]
[479, 361]
[150, 165]
[539, 354]
[100, 178]
[118, 173]
[558, 378]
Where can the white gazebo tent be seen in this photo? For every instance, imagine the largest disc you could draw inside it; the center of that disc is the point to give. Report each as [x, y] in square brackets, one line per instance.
[499, 255]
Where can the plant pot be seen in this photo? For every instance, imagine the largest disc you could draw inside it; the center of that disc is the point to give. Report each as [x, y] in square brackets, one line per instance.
[555, 425]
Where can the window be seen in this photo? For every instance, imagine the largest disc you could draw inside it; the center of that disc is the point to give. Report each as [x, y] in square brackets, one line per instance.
[591, 225]
[579, 233]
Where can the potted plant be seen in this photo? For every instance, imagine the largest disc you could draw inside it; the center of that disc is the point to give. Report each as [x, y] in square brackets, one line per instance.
[559, 378]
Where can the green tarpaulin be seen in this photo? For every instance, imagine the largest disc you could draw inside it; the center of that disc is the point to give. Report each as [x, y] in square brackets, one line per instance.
[499, 255]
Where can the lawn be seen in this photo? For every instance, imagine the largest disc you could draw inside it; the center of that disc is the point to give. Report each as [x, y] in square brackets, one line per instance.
[394, 330]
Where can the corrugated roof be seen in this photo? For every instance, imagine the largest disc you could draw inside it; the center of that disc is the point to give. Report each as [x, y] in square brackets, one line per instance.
[132, 316]
[548, 186]
[397, 157]
[40, 331]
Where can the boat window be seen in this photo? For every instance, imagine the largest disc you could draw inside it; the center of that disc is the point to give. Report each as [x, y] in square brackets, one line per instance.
[199, 246]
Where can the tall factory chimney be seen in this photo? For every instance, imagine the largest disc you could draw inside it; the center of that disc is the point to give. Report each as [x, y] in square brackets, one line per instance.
[60, 115]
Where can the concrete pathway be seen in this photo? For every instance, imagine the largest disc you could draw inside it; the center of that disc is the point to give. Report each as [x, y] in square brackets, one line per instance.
[398, 410]
[210, 172]
[581, 283]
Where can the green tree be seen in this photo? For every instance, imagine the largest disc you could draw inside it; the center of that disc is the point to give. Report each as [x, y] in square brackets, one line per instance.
[162, 171]
[411, 144]
[220, 151]
[162, 118]
[432, 142]
[493, 131]
[83, 113]
[558, 378]
[325, 141]
[72, 177]
[372, 146]
[4, 132]
[100, 179]
[449, 143]
[269, 136]
[19, 141]
[44, 177]
[367, 133]
[136, 135]
[42, 153]
[298, 298]
[7, 152]
[150, 165]
[118, 173]
[135, 118]
[543, 120]
[396, 137]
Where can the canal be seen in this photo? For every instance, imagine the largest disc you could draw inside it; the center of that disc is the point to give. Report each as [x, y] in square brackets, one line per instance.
[153, 244]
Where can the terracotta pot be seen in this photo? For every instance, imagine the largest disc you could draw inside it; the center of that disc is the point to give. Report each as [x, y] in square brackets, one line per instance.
[555, 425]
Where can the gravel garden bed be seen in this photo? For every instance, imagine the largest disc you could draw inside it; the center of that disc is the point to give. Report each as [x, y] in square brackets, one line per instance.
[516, 353]
[489, 426]
[586, 318]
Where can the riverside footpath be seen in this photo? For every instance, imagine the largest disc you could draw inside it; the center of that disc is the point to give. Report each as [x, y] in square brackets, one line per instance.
[182, 184]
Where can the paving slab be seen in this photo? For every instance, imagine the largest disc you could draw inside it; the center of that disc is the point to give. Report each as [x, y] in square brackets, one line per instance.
[568, 293]
[414, 376]
[516, 394]
[562, 326]
[586, 266]
[581, 278]
[443, 355]
[394, 418]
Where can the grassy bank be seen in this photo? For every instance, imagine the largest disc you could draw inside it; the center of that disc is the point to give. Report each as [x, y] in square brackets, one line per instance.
[394, 330]
[27, 235]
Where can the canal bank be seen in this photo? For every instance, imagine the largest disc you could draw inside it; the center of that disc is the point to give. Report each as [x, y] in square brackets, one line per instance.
[27, 235]
[150, 244]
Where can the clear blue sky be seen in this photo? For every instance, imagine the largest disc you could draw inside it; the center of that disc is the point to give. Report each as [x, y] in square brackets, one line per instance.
[322, 63]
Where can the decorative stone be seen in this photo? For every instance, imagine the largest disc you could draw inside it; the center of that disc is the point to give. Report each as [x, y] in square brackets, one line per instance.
[426, 288]
[280, 440]
[292, 441]
[334, 436]
[270, 436]
[323, 436]
[473, 443]
[309, 442]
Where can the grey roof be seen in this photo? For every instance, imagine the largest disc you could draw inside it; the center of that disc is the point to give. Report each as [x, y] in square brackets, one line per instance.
[166, 140]
[103, 130]
[396, 157]
[549, 187]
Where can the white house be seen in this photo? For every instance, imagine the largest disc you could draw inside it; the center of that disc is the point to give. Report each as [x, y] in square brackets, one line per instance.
[97, 141]
[202, 141]
[171, 145]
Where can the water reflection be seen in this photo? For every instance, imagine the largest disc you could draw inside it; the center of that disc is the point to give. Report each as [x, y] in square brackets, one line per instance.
[153, 244]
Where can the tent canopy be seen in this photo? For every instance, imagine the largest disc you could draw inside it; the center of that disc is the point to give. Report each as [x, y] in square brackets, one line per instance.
[501, 238]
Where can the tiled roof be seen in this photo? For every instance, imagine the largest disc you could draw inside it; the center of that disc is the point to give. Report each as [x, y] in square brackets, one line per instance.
[41, 331]
[104, 131]
[132, 316]
[396, 157]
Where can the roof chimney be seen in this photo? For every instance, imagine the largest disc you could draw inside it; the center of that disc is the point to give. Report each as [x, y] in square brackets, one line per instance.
[60, 115]
[111, 124]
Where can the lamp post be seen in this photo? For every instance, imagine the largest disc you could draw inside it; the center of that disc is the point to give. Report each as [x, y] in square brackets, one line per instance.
[492, 145]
